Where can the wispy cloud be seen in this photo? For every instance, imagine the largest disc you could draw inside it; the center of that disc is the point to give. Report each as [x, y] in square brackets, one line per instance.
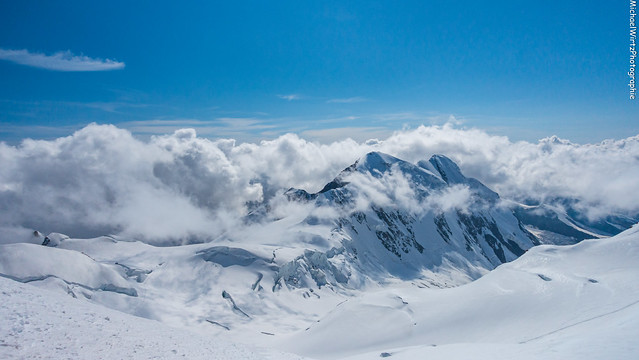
[244, 123]
[112, 106]
[42, 132]
[290, 97]
[60, 61]
[402, 116]
[243, 129]
[350, 100]
[359, 134]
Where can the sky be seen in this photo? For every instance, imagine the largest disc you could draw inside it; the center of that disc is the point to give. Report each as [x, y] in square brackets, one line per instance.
[324, 70]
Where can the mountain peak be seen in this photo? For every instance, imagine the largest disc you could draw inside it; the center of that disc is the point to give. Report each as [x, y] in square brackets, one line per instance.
[447, 169]
[452, 175]
[373, 162]
[376, 160]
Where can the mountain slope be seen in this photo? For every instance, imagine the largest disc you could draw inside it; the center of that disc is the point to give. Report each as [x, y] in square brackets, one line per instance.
[562, 224]
[399, 219]
[579, 301]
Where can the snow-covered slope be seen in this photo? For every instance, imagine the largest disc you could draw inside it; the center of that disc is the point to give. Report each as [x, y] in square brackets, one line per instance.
[556, 302]
[572, 302]
[41, 324]
[214, 288]
[29, 262]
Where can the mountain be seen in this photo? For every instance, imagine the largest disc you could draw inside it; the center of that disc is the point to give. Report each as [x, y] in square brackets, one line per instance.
[380, 221]
[427, 221]
[379, 262]
[429, 218]
[558, 222]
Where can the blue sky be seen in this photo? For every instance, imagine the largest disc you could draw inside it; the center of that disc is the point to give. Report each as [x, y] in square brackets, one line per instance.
[321, 69]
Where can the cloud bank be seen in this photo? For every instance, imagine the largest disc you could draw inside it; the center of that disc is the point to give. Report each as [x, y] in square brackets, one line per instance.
[102, 180]
[60, 61]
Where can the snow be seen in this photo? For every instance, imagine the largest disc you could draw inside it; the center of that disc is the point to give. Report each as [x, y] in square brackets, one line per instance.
[41, 324]
[554, 302]
[394, 278]
[29, 262]
[579, 301]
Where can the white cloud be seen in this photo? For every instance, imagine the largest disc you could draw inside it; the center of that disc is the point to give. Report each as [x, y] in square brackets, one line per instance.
[355, 133]
[350, 100]
[396, 190]
[240, 128]
[103, 180]
[60, 61]
[392, 189]
[290, 97]
[599, 176]
[239, 124]
[456, 197]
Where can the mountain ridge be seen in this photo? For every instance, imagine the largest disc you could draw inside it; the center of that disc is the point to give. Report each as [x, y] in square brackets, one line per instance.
[415, 236]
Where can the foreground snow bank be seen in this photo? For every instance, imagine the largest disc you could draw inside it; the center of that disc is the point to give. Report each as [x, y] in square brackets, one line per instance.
[37, 323]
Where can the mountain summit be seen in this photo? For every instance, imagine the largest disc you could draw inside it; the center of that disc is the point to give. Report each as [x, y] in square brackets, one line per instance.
[405, 220]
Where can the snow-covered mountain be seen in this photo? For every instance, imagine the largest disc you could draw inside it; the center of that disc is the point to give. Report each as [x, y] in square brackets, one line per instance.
[381, 220]
[559, 223]
[398, 219]
[384, 239]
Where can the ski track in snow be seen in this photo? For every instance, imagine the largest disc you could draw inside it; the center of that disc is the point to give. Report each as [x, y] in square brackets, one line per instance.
[581, 322]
